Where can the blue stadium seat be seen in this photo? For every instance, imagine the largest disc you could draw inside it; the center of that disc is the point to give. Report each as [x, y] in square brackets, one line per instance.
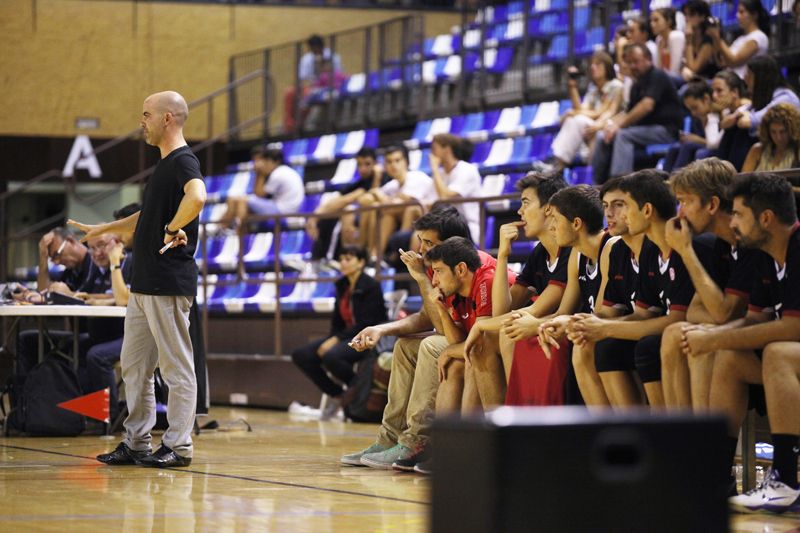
[546, 117]
[419, 160]
[579, 175]
[587, 42]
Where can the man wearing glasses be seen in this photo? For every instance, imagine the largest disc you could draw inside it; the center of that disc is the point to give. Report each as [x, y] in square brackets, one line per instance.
[62, 248]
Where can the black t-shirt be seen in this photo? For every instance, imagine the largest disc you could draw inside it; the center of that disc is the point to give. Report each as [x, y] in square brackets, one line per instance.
[590, 278]
[623, 278]
[664, 285]
[731, 268]
[174, 273]
[538, 272]
[668, 111]
[107, 329]
[710, 68]
[76, 278]
[777, 290]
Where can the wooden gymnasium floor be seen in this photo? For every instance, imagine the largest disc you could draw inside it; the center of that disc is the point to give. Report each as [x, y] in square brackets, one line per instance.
[282, 477]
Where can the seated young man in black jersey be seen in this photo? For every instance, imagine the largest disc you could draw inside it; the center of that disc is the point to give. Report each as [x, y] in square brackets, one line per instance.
[763, 217]
[576, 216]
[544, 277]
[662, 297]
[722, 281]
[619, 267]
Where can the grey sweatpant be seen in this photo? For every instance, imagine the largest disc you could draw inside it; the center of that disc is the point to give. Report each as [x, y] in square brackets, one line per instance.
[157, 334]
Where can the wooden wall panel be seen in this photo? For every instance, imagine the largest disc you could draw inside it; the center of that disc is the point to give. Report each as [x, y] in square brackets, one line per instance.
[74, 58]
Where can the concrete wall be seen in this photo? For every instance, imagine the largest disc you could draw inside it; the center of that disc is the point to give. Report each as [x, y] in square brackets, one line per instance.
[64, 59]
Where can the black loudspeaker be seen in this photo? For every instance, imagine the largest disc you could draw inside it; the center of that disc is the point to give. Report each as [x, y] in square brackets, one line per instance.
[565, 469]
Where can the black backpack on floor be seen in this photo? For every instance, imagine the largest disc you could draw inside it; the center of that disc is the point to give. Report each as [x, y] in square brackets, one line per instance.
[35, 401]
[367, 395]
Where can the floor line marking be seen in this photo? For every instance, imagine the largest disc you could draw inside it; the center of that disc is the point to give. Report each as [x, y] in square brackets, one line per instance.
[234, 476]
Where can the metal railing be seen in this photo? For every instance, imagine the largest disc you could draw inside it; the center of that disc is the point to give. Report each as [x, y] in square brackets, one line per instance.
[378, 49]
[257, 118]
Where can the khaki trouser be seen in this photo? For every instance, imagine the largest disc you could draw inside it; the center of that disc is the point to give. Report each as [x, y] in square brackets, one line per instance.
[157, 334]
[412, 392]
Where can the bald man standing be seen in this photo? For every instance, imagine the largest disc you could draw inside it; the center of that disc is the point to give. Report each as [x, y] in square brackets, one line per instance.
[163, 285]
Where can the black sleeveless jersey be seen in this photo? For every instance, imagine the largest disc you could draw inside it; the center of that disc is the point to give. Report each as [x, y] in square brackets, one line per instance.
[623, 278]
[590, 278]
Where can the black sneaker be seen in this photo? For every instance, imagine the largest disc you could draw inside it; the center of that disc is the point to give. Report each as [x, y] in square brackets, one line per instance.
[407, 464]
[164, 457]
[122, 455]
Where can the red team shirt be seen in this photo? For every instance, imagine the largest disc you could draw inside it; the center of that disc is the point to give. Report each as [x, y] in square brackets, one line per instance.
[466, 310]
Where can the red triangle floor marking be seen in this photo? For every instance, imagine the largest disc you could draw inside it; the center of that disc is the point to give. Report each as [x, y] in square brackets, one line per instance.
[94, 405]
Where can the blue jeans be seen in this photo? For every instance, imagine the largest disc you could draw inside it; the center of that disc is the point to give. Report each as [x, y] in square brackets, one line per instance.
[616, 159]
[100, 361]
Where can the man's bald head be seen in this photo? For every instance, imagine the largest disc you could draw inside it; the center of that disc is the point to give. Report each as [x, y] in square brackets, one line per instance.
[170, 102]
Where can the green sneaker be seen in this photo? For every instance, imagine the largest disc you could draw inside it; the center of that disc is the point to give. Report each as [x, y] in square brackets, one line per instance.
[385, 459]
[354, 459]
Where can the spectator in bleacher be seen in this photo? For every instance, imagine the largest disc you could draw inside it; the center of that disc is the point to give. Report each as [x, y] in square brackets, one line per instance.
[670, 42]
[359, 304]
[323, 231]
[405, 429]
[278, 189]
[723, 283]
[779, 141]
[653, 116]
[728, 95]
[754, 22]
[534, 295]
[579, 125]
[405, 186]
[767, 88]
[636, 30]
[697, 99]
[746, 353]
[60, 247]
[308, 72]
[455, 178]
[699, 58]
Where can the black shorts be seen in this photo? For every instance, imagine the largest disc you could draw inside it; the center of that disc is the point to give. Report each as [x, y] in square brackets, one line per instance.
[648, 358]
[614, 355]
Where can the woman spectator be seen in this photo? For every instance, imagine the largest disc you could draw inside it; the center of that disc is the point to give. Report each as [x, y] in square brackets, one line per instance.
[697, 99]
[727, 91]
[359, 304]
[601, 101]
[669, 41]
[754, 21]
[698, 55]
[779, 141]
[767, 88]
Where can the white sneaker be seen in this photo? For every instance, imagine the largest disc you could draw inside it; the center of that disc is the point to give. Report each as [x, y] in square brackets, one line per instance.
[772, 495]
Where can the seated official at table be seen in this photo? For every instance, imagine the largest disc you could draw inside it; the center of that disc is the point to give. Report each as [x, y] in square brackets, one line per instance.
[60, 247]
[99, 347]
